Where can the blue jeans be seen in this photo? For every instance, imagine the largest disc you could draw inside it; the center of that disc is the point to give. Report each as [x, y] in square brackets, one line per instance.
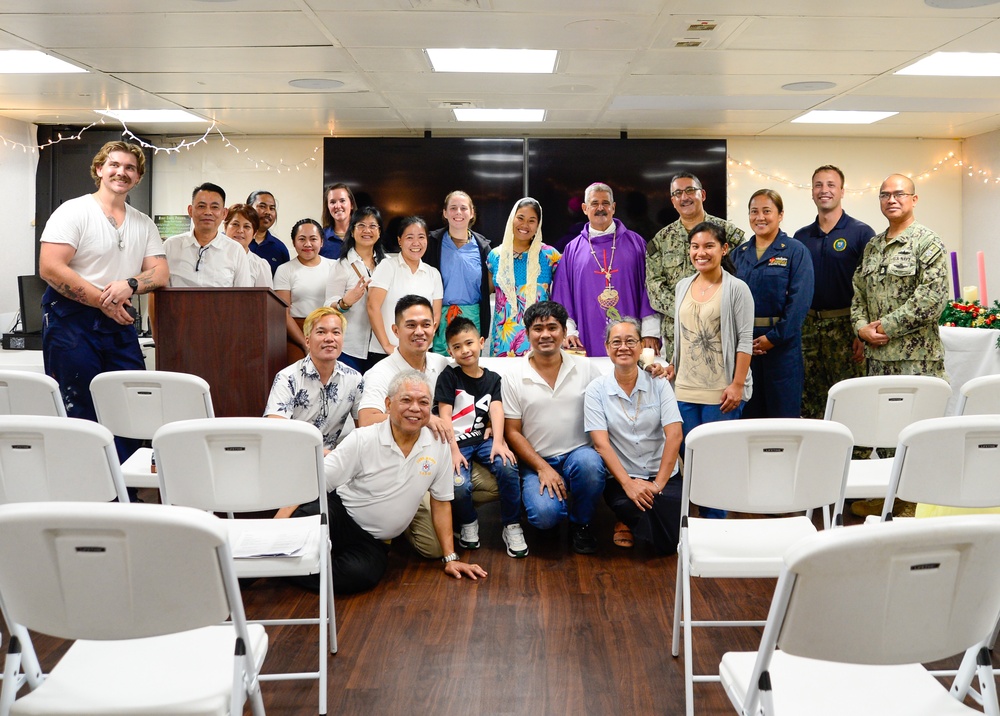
[695, 414]
[584, 474]
[462, 508]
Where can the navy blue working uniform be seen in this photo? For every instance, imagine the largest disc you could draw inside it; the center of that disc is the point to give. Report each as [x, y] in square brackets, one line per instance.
[835, 256]
[781, 282]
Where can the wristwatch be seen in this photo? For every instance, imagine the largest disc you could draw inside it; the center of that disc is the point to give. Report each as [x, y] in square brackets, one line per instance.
[132, 284]
[450, 558]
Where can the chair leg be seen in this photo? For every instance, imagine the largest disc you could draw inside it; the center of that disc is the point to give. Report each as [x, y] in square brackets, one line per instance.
[987, 684]
[687, 618]
[12, 680]
[675, 646]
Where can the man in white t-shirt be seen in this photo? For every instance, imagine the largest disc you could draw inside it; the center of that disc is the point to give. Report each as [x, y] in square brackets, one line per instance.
[96, 253]
[204, 257]
[378, 476]
[543, 423]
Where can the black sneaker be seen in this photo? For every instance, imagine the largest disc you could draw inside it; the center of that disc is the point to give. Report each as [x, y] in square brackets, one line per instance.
[584, 541]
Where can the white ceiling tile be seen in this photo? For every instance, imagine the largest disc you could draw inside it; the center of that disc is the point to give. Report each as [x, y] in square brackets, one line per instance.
[779, 62]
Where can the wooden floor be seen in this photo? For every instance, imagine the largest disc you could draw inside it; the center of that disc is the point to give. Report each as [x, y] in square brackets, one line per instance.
[555, 633]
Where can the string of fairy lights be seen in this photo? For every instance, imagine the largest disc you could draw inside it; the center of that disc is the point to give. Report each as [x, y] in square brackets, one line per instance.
[213, 131]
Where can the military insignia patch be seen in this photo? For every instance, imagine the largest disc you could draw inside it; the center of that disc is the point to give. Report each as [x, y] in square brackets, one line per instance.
[839, 244]
[778, 261]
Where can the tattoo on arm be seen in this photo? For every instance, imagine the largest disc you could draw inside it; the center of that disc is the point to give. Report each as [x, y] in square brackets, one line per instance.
[75, 293]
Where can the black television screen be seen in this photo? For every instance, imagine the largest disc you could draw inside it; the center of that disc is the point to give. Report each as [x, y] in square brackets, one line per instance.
[638, 172]
[404, 176]
[30, 290]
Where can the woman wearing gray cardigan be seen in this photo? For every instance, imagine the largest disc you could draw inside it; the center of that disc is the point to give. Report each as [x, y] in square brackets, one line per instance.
[713, 337]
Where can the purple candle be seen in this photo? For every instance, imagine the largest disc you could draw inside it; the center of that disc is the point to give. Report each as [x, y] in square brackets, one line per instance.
[954, 275]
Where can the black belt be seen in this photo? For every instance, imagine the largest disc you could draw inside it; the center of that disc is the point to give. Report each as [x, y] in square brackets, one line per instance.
[831, 313]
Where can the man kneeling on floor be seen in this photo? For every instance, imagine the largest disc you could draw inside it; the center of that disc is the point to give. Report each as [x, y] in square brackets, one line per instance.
[376, 478]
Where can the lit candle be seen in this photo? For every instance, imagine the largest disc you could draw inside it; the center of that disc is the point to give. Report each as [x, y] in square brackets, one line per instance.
[970, 294]
[955, 285]
[981, 260]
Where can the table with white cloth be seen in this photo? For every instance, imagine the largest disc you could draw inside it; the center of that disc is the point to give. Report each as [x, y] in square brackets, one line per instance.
[968, 353]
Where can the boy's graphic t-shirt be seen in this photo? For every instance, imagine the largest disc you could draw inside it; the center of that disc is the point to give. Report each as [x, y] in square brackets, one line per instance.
[470, 399]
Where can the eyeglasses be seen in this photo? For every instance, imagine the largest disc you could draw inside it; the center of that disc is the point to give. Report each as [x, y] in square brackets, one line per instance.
[689, 191]
[897, 195]
[370, 227]
[628, 342]
[201, 255]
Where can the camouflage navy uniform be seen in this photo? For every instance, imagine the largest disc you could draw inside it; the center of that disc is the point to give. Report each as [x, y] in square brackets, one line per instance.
[903, 283]
[667, 262]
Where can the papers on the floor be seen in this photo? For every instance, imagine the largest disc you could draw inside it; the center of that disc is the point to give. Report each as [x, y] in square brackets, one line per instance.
[287, 541]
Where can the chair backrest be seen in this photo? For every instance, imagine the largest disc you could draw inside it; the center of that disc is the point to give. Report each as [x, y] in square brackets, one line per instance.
[135, 403]
[876, 408]
[980, 396]
[27, 393]
[917, 590]
[949, 461]
[112, 571]
[239, 464]
[767, 466]
[45, 459]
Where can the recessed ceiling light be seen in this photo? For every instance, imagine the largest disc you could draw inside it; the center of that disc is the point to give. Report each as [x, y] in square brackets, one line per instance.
[145, 116]
[836, 116]
[25, 62]
[499, 115]
[316, 83]
[493, 60]
[956, 64]
[814, 86]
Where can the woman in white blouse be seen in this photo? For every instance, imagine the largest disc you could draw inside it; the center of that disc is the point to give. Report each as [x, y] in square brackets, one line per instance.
[301, 283]
[241, 224]
[347, 289]
[400, 275]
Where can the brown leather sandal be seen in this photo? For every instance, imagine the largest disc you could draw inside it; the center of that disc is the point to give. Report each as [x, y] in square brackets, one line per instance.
[623, 536]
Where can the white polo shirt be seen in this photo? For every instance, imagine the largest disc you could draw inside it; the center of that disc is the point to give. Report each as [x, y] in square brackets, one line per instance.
[551, 418]
[394, 275]
[379, 486]
[377, 379]
[223, 262]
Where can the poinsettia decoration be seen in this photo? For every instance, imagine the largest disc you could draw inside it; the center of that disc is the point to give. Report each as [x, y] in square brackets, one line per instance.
[971, 315]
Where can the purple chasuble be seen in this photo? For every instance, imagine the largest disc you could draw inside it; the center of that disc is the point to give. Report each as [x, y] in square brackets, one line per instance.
[579, 282]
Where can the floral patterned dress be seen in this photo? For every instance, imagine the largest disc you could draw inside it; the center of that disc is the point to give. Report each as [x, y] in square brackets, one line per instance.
[508, 335]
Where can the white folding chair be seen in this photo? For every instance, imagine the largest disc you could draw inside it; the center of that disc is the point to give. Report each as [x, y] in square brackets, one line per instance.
[954, 462]
[142, 590]
[135, 403]
[855, 613]
[26, 393]
[980, 396]
[875, 409]
[763, 467]
[252, 465]
[45, 459]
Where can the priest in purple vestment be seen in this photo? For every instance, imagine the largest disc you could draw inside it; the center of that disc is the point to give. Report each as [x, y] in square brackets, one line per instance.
[602, 277]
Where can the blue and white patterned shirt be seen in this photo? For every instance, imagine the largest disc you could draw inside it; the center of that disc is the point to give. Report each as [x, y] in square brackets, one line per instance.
[298, 394]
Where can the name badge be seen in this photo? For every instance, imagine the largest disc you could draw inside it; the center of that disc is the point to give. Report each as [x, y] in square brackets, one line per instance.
[778, 261]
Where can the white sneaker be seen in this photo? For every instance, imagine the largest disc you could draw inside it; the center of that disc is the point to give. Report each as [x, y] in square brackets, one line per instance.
[469, 537]
[513, 537]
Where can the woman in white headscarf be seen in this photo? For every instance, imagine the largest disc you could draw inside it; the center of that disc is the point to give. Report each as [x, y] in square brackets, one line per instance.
[521, 270]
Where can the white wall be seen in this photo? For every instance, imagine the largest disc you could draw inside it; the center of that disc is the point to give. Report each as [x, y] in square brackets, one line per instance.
[981, 209]
[865, 162]
[299, 192]
[17, 187]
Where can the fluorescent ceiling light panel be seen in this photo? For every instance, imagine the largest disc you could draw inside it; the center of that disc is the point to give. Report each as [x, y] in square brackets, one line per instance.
[160, 116]
[28, 62]
[956, 64]
[499, 115]
[835, 116]
[493, 60]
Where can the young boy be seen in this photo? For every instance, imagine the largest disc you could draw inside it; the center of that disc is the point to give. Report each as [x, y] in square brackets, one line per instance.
[468, 398]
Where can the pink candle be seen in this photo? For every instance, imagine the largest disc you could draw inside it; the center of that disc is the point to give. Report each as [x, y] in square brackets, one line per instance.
[981, 260]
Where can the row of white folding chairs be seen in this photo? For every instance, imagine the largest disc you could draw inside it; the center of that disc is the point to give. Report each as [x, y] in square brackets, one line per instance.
[215, 464]
[764, 466]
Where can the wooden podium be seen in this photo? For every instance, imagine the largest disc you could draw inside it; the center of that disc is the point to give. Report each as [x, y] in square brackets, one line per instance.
[234, 338]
